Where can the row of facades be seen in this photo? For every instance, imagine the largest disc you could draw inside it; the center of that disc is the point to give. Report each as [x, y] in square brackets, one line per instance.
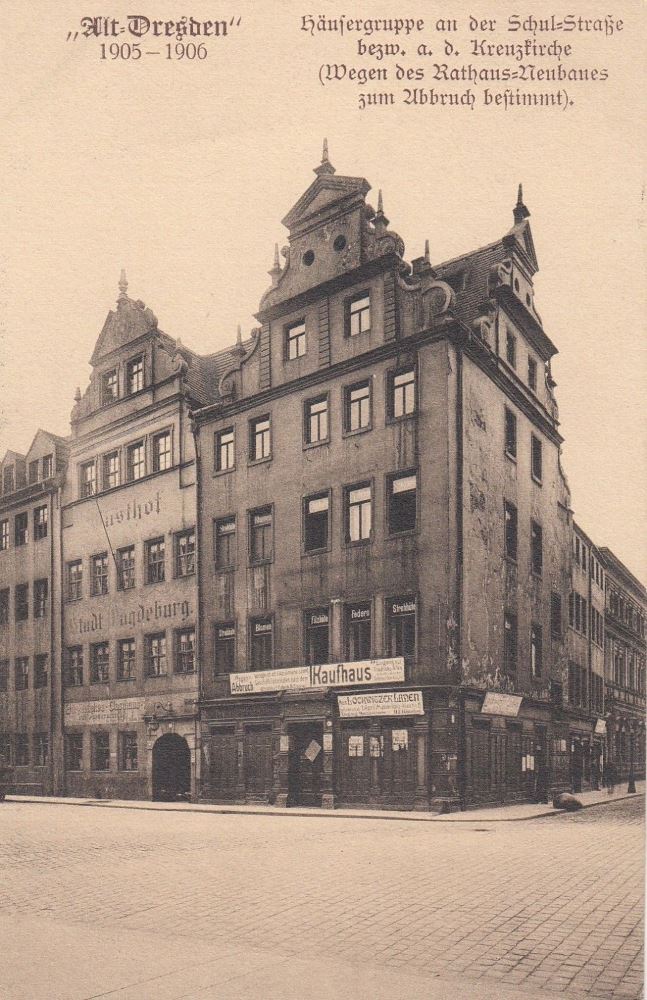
[335, 563]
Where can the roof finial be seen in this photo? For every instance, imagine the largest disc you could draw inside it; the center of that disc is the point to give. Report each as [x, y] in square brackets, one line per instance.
[239, 334]
[520, 211]
[123, 284]
[275, 270]
[77, 395]
[380, 221]
[380, 204]
[427, 250]
[325, 167]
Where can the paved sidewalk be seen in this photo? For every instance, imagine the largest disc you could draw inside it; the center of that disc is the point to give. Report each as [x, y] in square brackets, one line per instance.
[497, 814]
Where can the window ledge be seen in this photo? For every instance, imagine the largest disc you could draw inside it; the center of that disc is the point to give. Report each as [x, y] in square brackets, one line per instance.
[259, 461]
[261, 562]
[224, 472]
[509, 455]
[316, 552]
[535, 479]
[399, 420]
[315, 444]
[393, 536]
[358, 430]
[358, 543]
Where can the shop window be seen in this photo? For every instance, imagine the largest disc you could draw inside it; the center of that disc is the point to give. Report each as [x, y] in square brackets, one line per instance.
[135, 461]
[356, 745]
[48, 466]
[155, 646]
[109, 386]
[556, 614]
[359, 512]
[111, 470]
[41, 591]
[260, 535]
[185, 553]
[100, 751]
[21, 606]
[162, 451]
[536, 466]
[185, 651]
[510, 643]
[155, 551]
[316, 420]
[510, 433]
[224, 451]
[402, 494]
[135, 375]
[399, 740]
[295, 341]
[126, 568]
[74, 751]
[224, 540]
[316, 626]
[357, 407]
[74, 666]
[99, 663]
[510, 530]
[536, 548]
[21, 756]
[4, 675]
[224, 647]
[21, 528]
[401, 625]
[41, 749]
[259, 439]
[4, 606]
[40, 522]
[99, 580]
[128, 752]
[261, 645]
[41, 672]
[4, 535]
[357, 629]
[88, 481]
[126, 660]
[535, 650]
[33, 472]
[401, 393]
[358, 314]
[316, 516]
[21, 674]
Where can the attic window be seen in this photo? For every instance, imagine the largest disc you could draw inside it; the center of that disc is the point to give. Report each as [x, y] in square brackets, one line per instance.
[339, 244]
[109, 386]
[308, 258]
[457, 281]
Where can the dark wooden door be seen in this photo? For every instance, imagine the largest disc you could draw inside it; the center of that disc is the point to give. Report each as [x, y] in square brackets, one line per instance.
[258, 761]
[306, 765]
[354, 769]
[223, 770]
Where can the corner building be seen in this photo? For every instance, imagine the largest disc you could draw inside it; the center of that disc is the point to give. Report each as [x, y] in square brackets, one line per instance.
[384, 526]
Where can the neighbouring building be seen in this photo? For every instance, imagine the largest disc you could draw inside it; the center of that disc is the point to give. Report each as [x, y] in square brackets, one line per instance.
[625, 613]
[30, 505]
[385, 528]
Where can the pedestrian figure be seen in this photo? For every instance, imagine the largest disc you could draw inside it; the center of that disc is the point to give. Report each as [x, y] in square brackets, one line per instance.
[595, 770]
[612, 777]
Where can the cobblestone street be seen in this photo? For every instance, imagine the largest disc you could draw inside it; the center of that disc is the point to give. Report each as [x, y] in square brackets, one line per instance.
[132, 904]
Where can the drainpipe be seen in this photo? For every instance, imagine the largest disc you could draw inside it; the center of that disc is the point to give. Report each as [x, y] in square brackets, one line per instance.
[459, 570]
[195, 431]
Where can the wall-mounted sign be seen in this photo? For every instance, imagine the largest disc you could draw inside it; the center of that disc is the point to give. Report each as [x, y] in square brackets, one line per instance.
[327, 741]
[320, 676]
[402, 606]
[353, 706]
[495, 703]
[133, 511]
[110, 711]
[600, 726]
[136, 614]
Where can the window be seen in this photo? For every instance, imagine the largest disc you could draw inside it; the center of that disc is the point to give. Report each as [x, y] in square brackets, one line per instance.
[535, 458]
[510, 530]
[358, 315]
[4, 675]
[295, 341]
[535, 650]
[260, 643]
[75, 580]
[128, 752]
[260, 527]
[33, 471]
[6, 755]
[7, 479]
[48, 466]
[101, 751]
[41, 590]
[402, 393]
[357, 407]
[510, 643]
[88, 479]
[259, 439]
[316, 420]
[224, 648]
[74, 674]
[4, 606]
[402, 496]
[185, 553]
[316, 626]
[111, 470]
[316, 514]
[40, 522]
[22, 750]
[536, 547]
[99, 663]
[224, 542]
[401, 627]
[99, 579]
[185, 651]
[21, 607]
[21, 528]
[135, 461]
[126, 660]
[532, 374]
[135, 375]
[74, 751]
[511, 348]
[155, 555]
[510, 434]
[21, 675]
[109, 386]
[162, 451]
[4, 535]
[41, 672]
[126, 568]
[224, 449]
[155, 655]
[556, 614]
[359, 506]
[357, 637]
[41, 749]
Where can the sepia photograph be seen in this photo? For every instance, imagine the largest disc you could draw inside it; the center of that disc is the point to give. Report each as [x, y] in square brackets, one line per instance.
[322, 502]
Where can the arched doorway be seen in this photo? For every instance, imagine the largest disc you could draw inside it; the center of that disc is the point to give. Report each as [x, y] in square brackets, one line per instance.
[171, 768]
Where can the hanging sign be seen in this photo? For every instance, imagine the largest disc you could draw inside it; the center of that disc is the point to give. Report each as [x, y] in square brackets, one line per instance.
[353, 706]
[600, 726]
[319, 676]
[312, 750]
[501, 704]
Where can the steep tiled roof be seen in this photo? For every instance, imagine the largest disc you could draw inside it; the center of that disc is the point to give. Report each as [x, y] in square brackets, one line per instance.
[468, 276]
[205, 371]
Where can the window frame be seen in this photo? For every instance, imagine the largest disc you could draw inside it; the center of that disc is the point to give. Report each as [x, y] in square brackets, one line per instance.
[258, 619]
[308, 627]
[348, 490]
[74, 661]
[154, 568]
[4, 534]
[350, 313]
[106, 474]
[348, 403]
[132, 567]
[189, 556]
[150, 657]
[264, 435]
[155, 440]
[536, 650]
[73, 584]
[181, 654]
[232, 548]
[348, 624]
[21, 602]
[510, 655]
[21, 529]
[510, 537]
[107, 395]
[131, 466]
[537, 462]
[536, 548]
[74, 742]
[390, 617]
[122, 677]
[40, 600]
[510, 348]
[124, 738]
[41, 522]
[308, 441]
[533, 369]
[41, 670]
[21, 673]
[255, 560]
[391, 376]
[100, 665]
[510, 434]
[390, 479]
[131, 365]
[88, 487]
[327, 494]
[104, 736]
[229, 640]
[101, 578]
[218, 467]
[298, 339]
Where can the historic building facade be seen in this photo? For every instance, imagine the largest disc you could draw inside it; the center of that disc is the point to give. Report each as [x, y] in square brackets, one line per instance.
[30, 505]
